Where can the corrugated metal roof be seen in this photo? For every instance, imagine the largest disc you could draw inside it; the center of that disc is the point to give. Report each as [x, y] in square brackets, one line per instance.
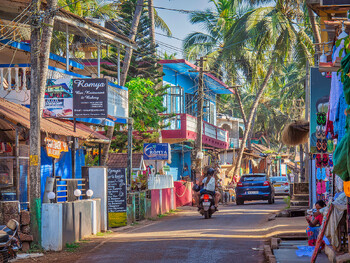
[18, 114]
[120, 160]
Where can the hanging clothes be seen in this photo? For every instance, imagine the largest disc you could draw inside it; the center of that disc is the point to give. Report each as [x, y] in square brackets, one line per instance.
[336, 87]
[340, 120]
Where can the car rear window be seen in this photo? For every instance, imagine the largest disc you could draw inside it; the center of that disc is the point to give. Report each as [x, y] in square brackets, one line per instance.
[253, 178]
[279, 179]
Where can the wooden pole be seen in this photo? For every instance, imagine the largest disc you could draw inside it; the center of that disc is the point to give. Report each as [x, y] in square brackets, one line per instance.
[40, 50]
[34, 132]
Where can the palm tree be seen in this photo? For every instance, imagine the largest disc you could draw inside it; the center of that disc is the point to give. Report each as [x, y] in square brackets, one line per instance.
[276, 38]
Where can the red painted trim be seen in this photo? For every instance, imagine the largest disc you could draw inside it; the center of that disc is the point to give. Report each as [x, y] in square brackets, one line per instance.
[183, 133]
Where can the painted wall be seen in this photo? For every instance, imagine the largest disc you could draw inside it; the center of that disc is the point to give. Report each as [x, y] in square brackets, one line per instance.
[180, 164]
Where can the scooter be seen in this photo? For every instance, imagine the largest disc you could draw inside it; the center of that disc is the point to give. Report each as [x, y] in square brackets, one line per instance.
[9, 241]
[207, 204]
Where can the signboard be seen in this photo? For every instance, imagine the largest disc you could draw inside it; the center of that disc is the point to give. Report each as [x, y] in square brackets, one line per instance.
[335, 2]
[116, 197]
[90, 98]
[319, 98]
[58, 98]
[55, 147]
[116, 190]
[156, 151]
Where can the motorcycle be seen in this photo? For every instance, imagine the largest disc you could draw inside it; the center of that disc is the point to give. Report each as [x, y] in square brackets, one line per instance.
[207, 204]
[9, 241]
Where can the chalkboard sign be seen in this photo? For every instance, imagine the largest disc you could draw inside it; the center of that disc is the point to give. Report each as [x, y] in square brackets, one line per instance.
[116, 195]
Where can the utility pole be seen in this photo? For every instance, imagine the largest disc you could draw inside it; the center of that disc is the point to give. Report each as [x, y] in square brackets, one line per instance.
[199, 119]
[129, 163]
[39, 59]
[307, 118]
[34, 132]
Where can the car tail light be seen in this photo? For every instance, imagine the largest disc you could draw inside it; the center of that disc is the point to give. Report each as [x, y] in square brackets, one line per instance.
[266, 183]
[206, 197]
[239, 184]
[286, 184]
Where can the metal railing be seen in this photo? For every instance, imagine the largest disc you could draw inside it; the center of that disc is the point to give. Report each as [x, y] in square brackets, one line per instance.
[64, 189]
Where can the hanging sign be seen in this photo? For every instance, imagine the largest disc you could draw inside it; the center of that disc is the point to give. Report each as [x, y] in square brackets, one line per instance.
[90, 98]
[55, 147]
[156, 151]
[58, 98]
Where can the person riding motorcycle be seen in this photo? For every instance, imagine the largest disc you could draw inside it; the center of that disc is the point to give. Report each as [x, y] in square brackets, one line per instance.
[209, 183]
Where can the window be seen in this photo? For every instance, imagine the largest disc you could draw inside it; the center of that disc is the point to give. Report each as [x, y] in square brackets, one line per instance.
[174, 100]
[190, 104]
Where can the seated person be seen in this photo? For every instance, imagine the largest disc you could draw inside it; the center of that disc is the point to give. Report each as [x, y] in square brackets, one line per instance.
[314, 223]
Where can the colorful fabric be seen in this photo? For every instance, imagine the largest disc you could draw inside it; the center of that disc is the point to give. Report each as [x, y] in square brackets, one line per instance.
[312, 232]
[340, 122]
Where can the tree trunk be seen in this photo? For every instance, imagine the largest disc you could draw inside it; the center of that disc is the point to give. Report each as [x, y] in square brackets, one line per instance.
[132, 36]
[124, 73]
[47, 30]
[152, 28]
[250, 134]
[238, 97]
[250, 119]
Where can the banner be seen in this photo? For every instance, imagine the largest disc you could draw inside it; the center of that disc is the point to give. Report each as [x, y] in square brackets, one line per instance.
[90, 98]
[156, 151]
[58, 98]
[55, 147]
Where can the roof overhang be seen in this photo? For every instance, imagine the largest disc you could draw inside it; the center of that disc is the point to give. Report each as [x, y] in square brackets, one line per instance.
[192, 71]
[13, 9]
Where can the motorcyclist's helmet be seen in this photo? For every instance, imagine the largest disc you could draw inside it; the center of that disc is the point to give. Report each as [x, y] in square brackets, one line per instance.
[210, 171]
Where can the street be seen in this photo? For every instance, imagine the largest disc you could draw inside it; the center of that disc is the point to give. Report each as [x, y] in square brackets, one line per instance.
[234, 234]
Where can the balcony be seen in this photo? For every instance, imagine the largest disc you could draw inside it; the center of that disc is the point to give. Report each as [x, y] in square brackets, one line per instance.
[183, 127]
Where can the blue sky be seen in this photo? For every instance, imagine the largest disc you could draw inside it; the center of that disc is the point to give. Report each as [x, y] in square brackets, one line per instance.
[178, 22]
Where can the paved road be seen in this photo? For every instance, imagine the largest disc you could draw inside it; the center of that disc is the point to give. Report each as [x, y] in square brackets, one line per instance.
[234, 234]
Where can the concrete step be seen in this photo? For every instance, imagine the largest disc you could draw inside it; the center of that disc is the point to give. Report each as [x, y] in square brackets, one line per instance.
[300, 197]
[299, 203]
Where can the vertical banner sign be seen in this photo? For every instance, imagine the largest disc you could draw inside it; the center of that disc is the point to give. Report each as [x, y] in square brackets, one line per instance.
[90, 98]
[116, 197]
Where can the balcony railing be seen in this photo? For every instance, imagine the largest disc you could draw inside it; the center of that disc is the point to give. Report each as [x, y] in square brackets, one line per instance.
[185, 126]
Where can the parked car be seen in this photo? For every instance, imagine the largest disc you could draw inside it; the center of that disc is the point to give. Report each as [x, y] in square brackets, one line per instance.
[281, 185]
[254, 187]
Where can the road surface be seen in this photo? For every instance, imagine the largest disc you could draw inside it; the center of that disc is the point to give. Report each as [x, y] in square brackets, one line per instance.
[234, 234]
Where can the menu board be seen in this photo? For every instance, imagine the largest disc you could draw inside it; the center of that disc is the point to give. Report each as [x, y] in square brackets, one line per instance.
[116, 196]
[90, 98]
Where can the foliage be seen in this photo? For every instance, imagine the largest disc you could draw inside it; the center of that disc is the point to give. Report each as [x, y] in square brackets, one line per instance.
[145, 107]
[72, 247]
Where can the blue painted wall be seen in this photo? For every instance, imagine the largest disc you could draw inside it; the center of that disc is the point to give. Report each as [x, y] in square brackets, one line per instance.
[177, 161]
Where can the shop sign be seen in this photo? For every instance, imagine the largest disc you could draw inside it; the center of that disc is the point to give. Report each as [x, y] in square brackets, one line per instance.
[58, 98]
[55, 147]
[90, 98]
[156, 151]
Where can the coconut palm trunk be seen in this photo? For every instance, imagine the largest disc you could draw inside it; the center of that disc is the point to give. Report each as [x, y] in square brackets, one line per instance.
[250, 119]
[132, 36]
[124, 73]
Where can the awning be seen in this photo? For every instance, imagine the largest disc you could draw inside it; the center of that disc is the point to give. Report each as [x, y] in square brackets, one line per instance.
[12, 114]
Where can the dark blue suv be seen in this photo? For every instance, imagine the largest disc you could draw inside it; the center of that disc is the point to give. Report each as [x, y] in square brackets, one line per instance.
[254, 187]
